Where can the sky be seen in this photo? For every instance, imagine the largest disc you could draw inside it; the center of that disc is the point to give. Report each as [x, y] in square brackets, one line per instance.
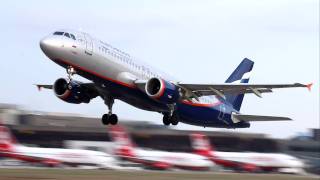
[193, 41]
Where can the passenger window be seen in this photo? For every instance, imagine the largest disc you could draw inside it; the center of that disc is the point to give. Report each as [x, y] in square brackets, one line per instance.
[73, 37]
[58, 33]
[67, 35]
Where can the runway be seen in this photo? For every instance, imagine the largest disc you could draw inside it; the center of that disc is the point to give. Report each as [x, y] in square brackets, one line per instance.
[85, 174]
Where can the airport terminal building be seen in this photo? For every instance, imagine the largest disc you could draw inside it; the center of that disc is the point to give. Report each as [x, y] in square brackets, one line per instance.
[75, 131]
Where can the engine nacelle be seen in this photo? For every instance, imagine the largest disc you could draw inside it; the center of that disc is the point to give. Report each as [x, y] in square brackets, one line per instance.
[162, 91]
[71, 92]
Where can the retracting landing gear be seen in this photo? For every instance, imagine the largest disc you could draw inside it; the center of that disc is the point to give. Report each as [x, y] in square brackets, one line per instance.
[70, 71]
[109, 118]
[172, 117]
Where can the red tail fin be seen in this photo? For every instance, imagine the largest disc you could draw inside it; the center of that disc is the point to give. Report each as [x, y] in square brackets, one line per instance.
[201, 144]
[124, 146]
[7, 140]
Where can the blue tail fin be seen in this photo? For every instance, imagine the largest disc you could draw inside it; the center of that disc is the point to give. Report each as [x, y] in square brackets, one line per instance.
[239, 75]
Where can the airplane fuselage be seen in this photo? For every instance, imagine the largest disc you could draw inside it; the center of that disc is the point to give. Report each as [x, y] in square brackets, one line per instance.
[178, 160]
[265, 161]
[114, 73]
[56, 156]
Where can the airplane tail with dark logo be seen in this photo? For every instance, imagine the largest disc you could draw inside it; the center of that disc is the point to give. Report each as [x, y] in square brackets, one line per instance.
[240, 75]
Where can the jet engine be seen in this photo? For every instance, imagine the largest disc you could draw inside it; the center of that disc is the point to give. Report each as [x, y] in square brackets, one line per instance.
[71, 92]
[162, 91]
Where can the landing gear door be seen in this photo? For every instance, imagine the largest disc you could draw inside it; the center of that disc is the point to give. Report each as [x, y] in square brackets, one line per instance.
[89, 44]
[222, 112]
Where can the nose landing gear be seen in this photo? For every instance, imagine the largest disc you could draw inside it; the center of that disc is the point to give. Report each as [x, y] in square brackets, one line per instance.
[108, 100]
[70, 71]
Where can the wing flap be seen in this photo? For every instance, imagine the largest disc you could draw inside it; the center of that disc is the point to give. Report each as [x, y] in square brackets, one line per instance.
[246, 91]
[198, 90]
[229, 89]
[227, 86]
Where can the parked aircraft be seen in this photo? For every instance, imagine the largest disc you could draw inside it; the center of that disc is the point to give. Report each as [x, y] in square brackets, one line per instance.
[246, 161]
[155, 159]
[52, 157]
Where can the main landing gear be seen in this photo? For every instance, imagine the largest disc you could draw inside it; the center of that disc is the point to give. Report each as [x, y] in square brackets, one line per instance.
[109, 118]
[171, 117]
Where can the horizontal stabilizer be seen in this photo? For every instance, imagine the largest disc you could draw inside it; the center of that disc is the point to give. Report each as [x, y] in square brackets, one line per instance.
[243, 117]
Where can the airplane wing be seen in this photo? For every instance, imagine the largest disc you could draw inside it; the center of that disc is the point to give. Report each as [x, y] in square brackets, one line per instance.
[49, 86]
[92, 89]
[198, 90]
[221, 90]
[243, 117]
[44, 86]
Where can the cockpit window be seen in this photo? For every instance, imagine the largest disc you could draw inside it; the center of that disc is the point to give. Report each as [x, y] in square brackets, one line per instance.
[58, 33]
[67, 35]
[73, 37]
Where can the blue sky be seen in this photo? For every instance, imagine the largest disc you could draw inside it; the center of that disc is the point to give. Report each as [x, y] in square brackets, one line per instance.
[194, 41]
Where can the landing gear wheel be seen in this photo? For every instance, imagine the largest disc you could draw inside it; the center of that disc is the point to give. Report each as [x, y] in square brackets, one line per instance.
[174, 119]
[113, 119]
[109, 119]
[166, 120]
[105, 119]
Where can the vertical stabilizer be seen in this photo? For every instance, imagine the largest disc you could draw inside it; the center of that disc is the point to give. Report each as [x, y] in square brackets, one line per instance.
[7, 140]
[201, 144]
[240, 75]
[124, 146]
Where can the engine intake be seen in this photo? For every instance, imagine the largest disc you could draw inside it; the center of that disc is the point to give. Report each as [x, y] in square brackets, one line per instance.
[71, 92]
[162, 91]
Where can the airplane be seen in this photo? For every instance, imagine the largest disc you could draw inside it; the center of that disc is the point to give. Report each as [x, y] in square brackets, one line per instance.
[155, 159]
[246, 161]
[52, 157]
[116, 75]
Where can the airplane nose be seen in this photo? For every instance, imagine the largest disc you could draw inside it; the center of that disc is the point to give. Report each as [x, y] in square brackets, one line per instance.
[48, 44]
[45, 44]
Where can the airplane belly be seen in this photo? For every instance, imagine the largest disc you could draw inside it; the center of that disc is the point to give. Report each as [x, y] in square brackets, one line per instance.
[198, 115]
[208, 115]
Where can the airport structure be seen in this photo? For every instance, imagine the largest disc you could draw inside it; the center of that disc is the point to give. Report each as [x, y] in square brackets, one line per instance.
[57, 130]
[52, 129]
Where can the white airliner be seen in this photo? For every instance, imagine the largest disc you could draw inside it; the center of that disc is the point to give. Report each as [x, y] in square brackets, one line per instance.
[115, 74]
[154, 159]
[53, 157]
[246, 161]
